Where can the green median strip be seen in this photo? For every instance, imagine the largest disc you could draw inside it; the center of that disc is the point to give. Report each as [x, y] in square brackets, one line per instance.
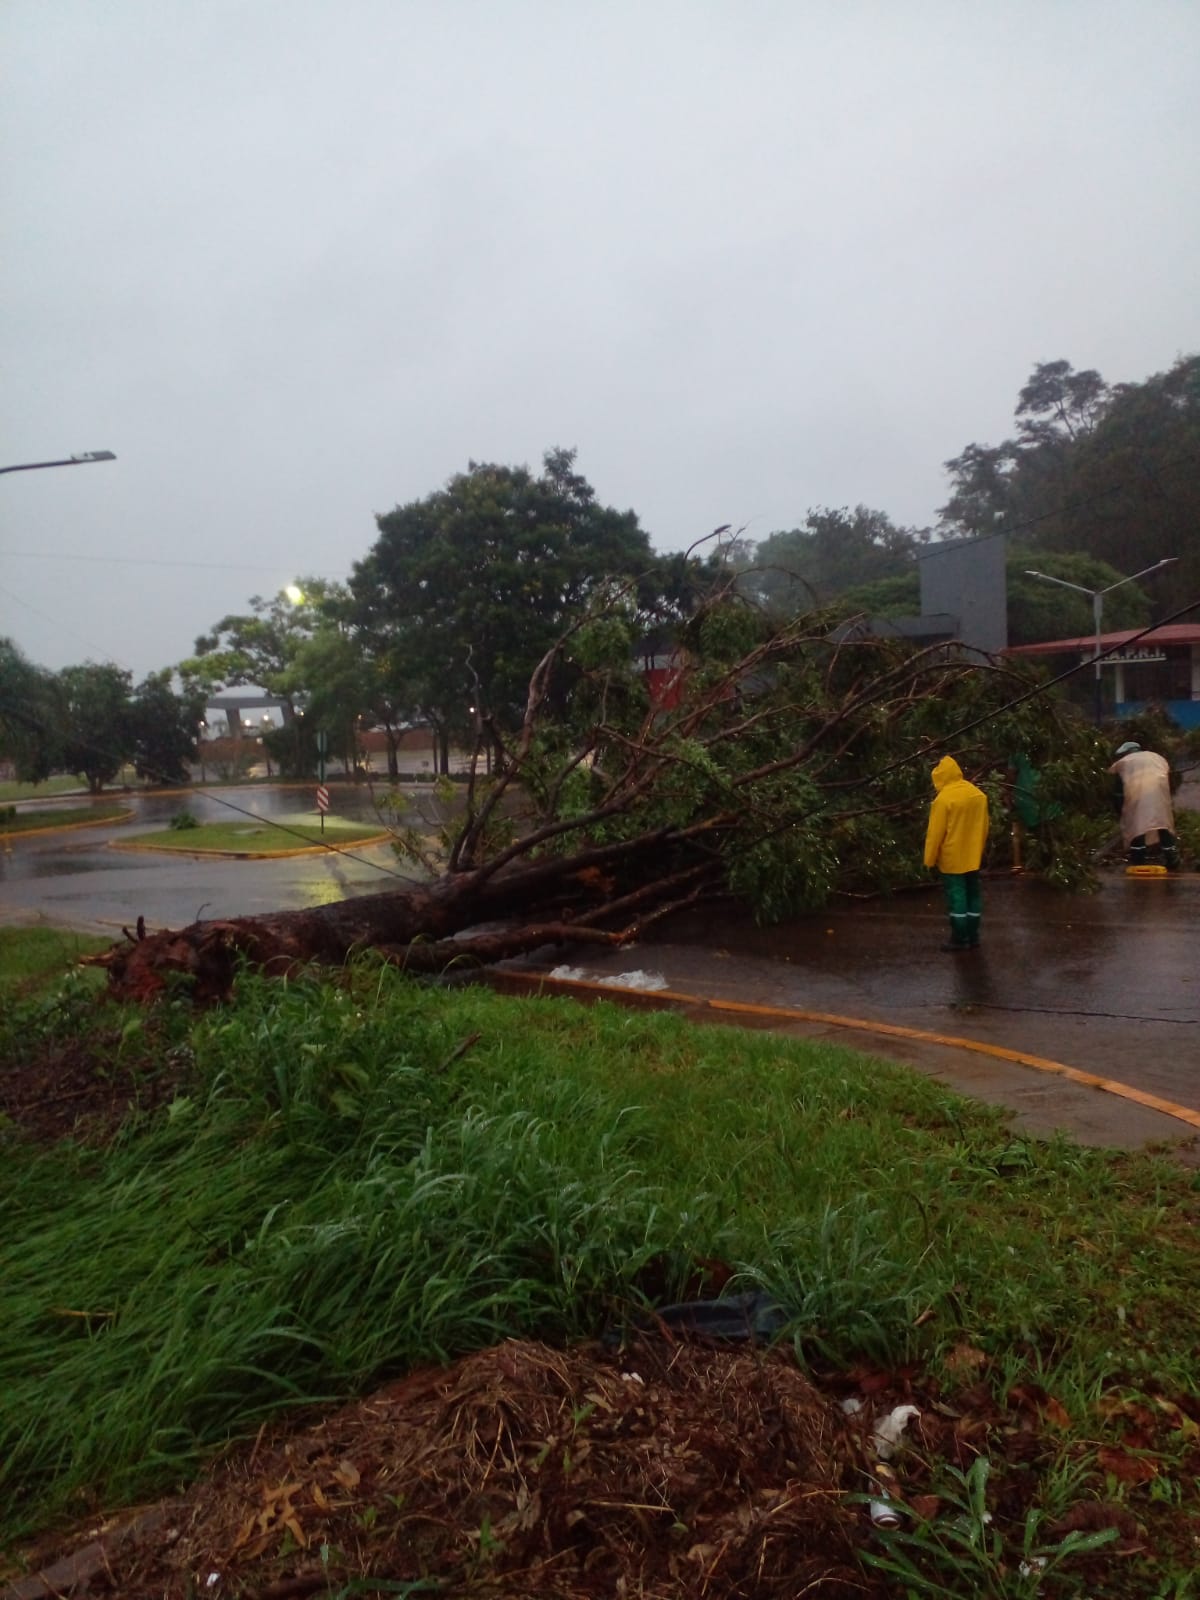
[13, 821]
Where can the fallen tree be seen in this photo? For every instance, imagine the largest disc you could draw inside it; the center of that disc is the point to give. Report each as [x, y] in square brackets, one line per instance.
[775, 767]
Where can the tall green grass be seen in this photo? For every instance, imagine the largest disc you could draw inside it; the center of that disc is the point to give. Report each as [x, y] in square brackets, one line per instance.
[364, 1177]
[31, 954]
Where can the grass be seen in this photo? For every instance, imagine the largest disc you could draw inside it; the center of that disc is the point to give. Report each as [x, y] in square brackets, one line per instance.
[360, 1178]
[61, 817]
[258, 838]
[65, 783]
[30, 955]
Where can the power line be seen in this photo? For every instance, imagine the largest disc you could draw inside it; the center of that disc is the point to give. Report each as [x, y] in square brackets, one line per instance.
[56, 622]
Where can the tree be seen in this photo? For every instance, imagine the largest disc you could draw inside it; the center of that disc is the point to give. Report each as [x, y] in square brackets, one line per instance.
[260, 647]
[1036, 610]
[833, 551]
[1059, 405]
[471, 585]
[98, 735]
[30, 716]
[791, 767]
[164, 727]
[333, 673]
[265, 647]
[1107, 471]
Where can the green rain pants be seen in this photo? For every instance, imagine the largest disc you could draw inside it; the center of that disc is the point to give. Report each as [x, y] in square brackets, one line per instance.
[965, 905]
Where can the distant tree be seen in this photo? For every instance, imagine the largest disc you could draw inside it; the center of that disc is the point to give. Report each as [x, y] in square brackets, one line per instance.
[30, 716]
[259, 647]
[1036, 610]
[333, 673]
[1059, 405]
[469, 586]
[831, 552]
[1039, 610]
[164, 727]
[886, 597]
[1108, 471]
[97, 729]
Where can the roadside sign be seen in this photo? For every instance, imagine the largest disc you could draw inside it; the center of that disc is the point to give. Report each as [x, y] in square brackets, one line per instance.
[322, 798]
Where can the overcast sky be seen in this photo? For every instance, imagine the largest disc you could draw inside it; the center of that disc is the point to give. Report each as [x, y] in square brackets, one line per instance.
[298, 261]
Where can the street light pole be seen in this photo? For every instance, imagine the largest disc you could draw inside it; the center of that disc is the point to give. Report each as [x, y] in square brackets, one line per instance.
[1097, 599]
[68, 461]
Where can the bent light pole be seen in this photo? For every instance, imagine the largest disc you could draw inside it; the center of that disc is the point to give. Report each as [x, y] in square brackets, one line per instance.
[1097, 599]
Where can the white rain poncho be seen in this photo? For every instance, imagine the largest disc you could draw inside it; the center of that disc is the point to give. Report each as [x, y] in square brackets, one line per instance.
[1146, 783]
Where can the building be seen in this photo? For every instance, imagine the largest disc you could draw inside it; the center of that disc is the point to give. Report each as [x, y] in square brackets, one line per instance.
[1162, 667]
[243, 716]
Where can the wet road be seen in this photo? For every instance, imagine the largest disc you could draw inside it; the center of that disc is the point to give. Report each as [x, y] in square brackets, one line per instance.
[75, 879]
[1109, 982]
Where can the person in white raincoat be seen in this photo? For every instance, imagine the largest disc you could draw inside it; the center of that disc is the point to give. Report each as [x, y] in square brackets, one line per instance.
[1143, 785]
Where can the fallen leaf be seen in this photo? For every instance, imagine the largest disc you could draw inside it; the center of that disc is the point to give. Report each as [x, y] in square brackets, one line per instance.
[1127, 1468]
[1055, 1412]
[966, 1357]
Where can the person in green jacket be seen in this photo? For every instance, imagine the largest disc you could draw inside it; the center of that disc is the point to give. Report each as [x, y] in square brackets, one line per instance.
[954, 842]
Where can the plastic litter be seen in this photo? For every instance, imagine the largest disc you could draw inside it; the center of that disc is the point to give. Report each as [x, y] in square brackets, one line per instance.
[888, 1431]
[622, 980]
[749, 1318]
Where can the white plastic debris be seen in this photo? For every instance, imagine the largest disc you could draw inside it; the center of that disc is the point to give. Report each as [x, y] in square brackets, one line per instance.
[888, 1430]
[623, 980]
[852, 1405]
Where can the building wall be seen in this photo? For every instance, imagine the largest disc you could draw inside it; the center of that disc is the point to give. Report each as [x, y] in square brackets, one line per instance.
[968, 580]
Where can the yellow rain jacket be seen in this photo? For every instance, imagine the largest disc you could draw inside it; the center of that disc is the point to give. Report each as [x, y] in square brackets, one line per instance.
[958, 821]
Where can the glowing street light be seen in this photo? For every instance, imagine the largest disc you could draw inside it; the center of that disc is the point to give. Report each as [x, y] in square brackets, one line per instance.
[1097, 599]
[68, 461]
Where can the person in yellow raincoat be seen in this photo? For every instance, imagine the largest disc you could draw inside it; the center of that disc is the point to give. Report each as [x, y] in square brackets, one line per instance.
[954, 842]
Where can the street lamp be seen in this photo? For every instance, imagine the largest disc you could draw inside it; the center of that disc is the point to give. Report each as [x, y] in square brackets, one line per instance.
[69, 461]
[1097, 599]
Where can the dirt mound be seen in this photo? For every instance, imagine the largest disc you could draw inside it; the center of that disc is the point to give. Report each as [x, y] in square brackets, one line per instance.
[664, 1470]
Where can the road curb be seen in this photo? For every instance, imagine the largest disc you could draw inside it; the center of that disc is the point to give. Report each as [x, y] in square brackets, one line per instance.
[668, 999]
[67, 827]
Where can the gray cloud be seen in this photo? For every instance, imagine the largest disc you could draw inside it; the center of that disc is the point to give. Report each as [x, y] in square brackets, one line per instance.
[297, 261]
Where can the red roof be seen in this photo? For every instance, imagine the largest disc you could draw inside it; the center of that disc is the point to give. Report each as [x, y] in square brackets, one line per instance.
[1173, 633]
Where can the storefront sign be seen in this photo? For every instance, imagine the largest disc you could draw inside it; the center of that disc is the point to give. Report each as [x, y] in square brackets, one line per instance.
[1125, 658]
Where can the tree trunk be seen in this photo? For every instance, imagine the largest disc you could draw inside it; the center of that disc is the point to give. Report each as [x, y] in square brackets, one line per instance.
[462, 917]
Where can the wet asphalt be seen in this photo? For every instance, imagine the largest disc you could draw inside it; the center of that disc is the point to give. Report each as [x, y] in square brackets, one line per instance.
[1107, 982]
